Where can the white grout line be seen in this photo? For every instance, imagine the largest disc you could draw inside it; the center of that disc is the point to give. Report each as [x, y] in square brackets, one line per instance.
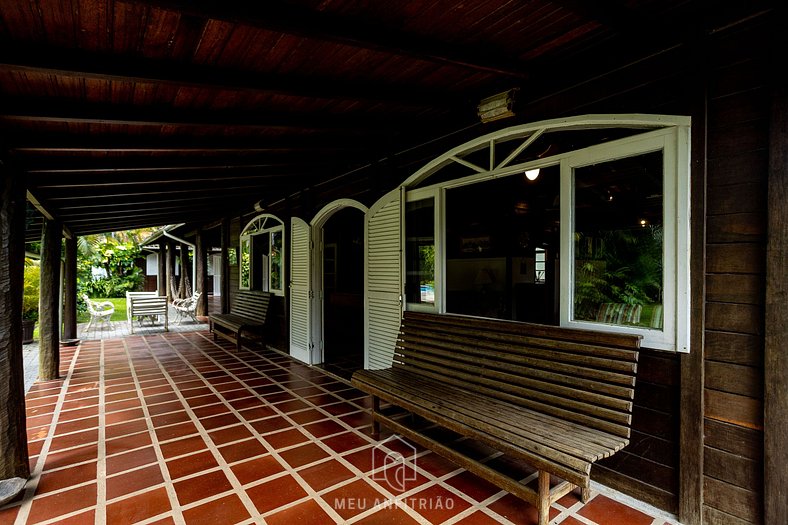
[101, 463]
[35, 476]
[236, 485]
[359, 475]
[177, 515]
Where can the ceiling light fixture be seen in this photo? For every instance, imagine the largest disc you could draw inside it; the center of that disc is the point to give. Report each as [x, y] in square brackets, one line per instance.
[532, 174]
[497, 106]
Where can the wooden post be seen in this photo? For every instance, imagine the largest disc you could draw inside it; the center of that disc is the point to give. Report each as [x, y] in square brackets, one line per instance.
[544, 497]
[14, 468]
[170, 271]
[201, 277]
[225, 233]
[49, 322]
[185, 270]
[692, 364]
[775, 479]
[70, 290]
[162, 269]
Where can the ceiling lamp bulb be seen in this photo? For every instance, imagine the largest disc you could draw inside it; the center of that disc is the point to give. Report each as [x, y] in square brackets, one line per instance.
[532, 174]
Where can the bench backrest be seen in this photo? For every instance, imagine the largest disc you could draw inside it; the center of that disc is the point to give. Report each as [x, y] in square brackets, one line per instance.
[146, 305]
[581, 376]
[252, 305]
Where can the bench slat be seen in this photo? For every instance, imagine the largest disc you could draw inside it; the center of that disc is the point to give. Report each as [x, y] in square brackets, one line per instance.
[578, 477]
[608, 342]
[511, 380]
[581, 442]
[607, 394]
[559, 399]
[523, 346]
[248, 313]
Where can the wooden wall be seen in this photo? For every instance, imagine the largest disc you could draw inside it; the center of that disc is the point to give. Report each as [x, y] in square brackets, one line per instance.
[737, 163]
[648, 467]
[736, 117]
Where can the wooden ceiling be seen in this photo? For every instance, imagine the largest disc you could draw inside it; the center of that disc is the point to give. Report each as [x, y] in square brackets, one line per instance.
[125, 114]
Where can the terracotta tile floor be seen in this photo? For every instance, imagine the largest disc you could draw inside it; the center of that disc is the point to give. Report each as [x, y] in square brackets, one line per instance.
[175, 428]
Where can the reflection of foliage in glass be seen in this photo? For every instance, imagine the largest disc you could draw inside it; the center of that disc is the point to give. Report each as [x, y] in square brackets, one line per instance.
[276, 261]
[427, 264]
[246, 269]
[625, 267]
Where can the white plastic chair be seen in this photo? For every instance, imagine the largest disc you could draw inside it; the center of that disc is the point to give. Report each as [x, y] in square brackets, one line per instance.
[100, 313]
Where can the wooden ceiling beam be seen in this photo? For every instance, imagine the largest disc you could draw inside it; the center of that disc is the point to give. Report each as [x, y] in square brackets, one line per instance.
[48, 110]
[26, 143]
[77, 64]
[191, 178]
[217, 187]
[358, 32]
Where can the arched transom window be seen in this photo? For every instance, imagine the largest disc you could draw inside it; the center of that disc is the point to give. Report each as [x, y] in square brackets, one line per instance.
[262, 255]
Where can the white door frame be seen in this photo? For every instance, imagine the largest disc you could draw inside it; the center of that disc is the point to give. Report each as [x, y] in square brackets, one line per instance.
[317, 311]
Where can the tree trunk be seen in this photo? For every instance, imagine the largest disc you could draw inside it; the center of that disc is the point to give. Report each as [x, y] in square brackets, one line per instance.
[49, 323]
[13, 431]
[201, 276]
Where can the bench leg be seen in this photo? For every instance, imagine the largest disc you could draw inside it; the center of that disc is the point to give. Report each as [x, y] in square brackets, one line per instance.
[585, 494]
[238, 342]
[375, 422]
[544, 497]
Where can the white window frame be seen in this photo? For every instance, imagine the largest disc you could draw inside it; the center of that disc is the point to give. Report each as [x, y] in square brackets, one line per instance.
[260, 226]
[674, 140]
[435, 193]
[674, 335]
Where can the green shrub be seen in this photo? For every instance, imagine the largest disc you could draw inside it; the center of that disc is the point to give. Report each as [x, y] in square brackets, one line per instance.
[31, 293]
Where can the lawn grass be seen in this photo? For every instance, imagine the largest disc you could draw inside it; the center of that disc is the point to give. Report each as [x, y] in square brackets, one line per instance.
[118, 315]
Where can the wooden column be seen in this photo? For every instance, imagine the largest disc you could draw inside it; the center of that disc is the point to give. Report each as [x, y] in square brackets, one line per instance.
[225, 229]
[49, 322]
[14, 469]
[201, 271]
[775, 479]
[70, 290]
[162, 269]
[692, 364]
[186, 268]
[170, 271]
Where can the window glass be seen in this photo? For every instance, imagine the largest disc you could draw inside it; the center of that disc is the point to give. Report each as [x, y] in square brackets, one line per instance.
[501, 247]
[618, 241]
[420, 251]
[276, 261]
[246, 264]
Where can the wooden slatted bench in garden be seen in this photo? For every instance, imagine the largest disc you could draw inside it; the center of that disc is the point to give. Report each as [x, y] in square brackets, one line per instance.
[146, 305]
[557, 399]
[248, 314]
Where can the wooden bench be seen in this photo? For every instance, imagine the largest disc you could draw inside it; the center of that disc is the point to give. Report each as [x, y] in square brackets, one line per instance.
[248, 314]
[558, 399]
[146, 305]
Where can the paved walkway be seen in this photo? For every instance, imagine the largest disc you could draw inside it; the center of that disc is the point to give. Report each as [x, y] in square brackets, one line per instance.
[175, 428]
[117, 329]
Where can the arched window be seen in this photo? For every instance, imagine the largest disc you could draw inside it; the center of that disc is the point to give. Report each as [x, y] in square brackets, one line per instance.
[580, 222]
[262, 255]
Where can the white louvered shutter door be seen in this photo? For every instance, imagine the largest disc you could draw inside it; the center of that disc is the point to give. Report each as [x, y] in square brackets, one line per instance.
[300, 281]
[383, 305]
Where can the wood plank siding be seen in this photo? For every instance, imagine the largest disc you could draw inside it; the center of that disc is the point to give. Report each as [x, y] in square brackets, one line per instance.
[738, 129]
